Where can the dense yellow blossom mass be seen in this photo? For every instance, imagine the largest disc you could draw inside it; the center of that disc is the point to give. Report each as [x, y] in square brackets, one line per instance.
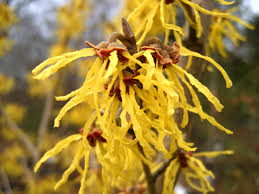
[133, 91]
[193, 170]
[134, 95]
[223, 27]
[142, 17]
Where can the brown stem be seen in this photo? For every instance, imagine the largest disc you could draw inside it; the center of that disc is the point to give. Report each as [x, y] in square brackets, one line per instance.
[162, 168]
[5, 181]
[196, 45]
[29, 176]
[45, 118]
[150, 181]
[177, 177]
[46, 115]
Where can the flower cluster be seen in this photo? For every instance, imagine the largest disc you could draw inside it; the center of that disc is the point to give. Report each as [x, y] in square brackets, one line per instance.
[193, 170]
[134, 93]
[143, 16]
[223, 27]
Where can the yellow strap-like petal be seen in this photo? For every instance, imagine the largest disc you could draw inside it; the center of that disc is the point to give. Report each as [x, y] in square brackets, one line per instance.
[134, 14]
[150, 69]
[186, 13]
[243, 23]
[148, 24]
[186, 52]
[71, 103]
[211, 120]
[203, 89]
[57, 149]
[162, 18]
[60, 61]
[214, 153]
[71, 168]
[170, 177]
[205, 11]
[112, 67]
[198, 21]
[68, 96]
[83, 179]
[223, 2]
[189, 63]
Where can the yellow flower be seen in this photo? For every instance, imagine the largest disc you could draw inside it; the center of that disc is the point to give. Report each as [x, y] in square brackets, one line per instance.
[8, 134]
[193, 169]
[116, 164]
[133, 95]
[168, 7]
[15, 111]
[9, 160]
[6, 85]
[221, 27]
[163, 94]
[166, 10]
[186, 52]
[81, 153]
[107, 88]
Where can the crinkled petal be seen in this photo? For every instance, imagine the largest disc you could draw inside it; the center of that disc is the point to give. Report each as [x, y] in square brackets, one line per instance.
[57, 149]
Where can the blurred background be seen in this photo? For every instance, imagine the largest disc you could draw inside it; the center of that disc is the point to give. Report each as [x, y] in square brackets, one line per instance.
[33, 30]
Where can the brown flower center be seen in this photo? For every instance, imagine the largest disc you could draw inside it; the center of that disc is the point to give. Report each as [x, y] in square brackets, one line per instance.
[166, 54]
[182, 158]
[169, 1]
[94, 136]
[104, 49]
[128, 80]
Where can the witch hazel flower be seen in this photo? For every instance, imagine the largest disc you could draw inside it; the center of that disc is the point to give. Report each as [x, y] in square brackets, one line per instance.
[134, 93]
[143, 17]
[195, 172]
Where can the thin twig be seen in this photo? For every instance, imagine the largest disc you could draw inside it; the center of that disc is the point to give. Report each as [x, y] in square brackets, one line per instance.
[22, 136]
[177, 177]
[6, 183]
[150, 181]
[149, 178]
[162, 168]
[45, 118]
[29, 175]
[46, 115]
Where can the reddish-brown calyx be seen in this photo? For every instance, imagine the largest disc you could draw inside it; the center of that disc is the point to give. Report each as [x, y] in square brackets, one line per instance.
[94, 136]
[169, 1]
[166, 54]
[104, 49]
[128, 80]
[182, 158]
